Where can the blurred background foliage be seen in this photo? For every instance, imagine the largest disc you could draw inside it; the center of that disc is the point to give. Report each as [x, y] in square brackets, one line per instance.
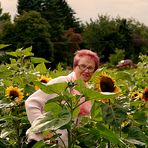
[54, 33]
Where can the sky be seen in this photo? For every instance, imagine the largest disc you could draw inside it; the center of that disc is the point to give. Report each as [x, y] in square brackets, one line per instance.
[90, 9]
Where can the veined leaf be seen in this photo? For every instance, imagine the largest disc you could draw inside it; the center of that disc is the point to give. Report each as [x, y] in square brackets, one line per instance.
[50, 120]
[57, 88]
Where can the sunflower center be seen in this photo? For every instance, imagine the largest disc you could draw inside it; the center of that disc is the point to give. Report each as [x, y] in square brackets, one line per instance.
[107, 85]
[13, 95]
[44, 81]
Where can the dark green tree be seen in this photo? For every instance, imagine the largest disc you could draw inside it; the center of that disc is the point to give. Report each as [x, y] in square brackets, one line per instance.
[60, 17]
[57, 12]
[99, 35]
[106, 34]
[30, 29]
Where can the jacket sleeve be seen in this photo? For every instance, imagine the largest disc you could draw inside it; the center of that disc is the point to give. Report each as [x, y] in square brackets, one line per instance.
[35, 103]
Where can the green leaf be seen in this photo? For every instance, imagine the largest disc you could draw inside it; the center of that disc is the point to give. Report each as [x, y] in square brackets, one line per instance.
[41, 67]
[38, 60]
[96, 112]
[91, 93]
[14, 54]
[52, 106]
[3, 45]
[57, 88]
[108, 134]
[140, 116]
[27, 52]
[50, 120]
[40, 144]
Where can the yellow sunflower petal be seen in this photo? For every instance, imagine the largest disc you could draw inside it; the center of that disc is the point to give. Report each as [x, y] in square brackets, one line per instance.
[14, 94]
[105, 83]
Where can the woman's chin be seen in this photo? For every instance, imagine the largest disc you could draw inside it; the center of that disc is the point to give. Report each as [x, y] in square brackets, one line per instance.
[85, 79]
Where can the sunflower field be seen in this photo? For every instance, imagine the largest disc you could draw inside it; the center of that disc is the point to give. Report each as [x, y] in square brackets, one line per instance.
[119, 97]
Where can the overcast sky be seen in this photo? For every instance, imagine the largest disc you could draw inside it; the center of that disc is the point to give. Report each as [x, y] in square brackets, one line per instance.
[86, 9]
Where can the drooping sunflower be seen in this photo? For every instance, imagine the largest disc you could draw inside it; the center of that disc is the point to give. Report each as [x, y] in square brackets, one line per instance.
[145, 94]
[14, 94]
[43, 79]
[104, 83]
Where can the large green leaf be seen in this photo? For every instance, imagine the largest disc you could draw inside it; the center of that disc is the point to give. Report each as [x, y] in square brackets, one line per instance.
[50, 120]
[90, 93]
[57, 88]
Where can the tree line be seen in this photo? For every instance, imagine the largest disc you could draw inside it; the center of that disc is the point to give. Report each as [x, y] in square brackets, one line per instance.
[53, 31]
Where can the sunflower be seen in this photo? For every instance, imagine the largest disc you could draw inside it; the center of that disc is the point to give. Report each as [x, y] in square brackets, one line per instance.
[104, 83]
[136, 95]
[145, 94]
[14, 94]
[43, 79]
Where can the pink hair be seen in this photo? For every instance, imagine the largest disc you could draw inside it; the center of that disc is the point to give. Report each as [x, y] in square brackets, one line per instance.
[86, 52]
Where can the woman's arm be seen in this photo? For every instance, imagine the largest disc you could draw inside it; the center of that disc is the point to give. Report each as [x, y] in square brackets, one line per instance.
[35, 103]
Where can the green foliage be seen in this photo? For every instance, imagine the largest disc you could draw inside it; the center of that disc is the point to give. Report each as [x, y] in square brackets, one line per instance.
[60, 17]
[56, 12]
[117, 56]
[51, 120]
[30, 30]
[121, 121]
[106, 34]
[20, 73]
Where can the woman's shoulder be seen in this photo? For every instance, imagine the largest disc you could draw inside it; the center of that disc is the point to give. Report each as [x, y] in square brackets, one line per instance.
[62, 79]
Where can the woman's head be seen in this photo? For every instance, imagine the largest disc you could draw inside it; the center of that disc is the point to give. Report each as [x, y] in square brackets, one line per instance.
[85, 63]
[83, 53]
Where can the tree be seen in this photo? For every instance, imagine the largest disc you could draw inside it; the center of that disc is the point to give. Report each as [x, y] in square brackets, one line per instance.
[30, 29]
[60, 17]
[100, 35]
[106, 34]
[57, 12]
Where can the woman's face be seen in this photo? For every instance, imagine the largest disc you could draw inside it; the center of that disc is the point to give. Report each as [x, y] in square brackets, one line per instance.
[85, 68]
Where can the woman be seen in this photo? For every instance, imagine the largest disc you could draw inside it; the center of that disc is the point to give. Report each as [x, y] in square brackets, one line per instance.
[85, 64]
